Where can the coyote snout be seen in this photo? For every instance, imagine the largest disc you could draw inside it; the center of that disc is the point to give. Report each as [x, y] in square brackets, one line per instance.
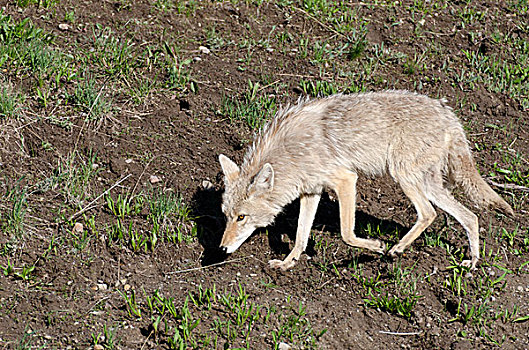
[234, 237]
[325, 143]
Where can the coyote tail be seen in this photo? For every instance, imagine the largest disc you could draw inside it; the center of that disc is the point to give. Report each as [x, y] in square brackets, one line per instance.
[462, 171]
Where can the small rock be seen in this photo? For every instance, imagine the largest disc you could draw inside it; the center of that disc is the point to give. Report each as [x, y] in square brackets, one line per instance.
[284, 346]
[126, 287]
[520, 289]
[197, 59]
[98, 347]
[128, 161]
[64, 26]
[78, 228]
[204, 50]
[102, 286]
[154, 179]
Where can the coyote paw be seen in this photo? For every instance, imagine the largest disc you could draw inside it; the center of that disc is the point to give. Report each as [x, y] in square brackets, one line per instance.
[470, 263]
[381, 249]
[280, 264]
[396, 250]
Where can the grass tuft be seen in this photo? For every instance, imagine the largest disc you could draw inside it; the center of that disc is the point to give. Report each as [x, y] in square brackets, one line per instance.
[10, 102]
[397, 296]
[14, 208]
[252, 107]
[91, 99]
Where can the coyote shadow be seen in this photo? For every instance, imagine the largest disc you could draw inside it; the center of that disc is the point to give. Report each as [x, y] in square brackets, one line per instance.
[211, 223]
[328, 219]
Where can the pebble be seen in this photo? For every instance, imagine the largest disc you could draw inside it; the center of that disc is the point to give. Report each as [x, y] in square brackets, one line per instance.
[78, 228]
[126, 287]
[98, 347]
[102, 286]
[64, 26]
[204, 50]
[520, 288]
[284, 346]
[154, 179]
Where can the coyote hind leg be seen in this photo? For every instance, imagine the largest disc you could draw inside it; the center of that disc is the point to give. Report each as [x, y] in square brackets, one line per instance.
[345, 188]
[308, 204]
[425, 216]
[444, 200]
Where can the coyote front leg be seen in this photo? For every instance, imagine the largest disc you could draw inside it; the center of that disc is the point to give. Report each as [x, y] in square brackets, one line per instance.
[345, 187]
[308, 204]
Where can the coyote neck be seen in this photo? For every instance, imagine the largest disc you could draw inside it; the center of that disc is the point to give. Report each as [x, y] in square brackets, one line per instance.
[288, 184]
[287, 144]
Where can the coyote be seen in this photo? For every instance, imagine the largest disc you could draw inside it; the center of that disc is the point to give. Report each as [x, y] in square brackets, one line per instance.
[324, 143]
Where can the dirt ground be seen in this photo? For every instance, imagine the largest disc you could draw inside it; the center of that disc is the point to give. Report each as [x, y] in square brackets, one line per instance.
[66, 287]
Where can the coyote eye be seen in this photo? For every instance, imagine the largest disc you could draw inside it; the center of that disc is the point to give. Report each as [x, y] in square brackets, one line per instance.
[241, 217]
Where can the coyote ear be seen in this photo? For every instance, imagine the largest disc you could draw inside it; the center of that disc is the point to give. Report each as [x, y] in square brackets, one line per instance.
[229, 168]
[264, 181]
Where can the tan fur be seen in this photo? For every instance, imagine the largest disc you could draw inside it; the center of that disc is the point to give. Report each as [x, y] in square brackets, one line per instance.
[324, 144]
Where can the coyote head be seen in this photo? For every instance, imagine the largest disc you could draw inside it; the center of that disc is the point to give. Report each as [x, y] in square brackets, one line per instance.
[246, 202]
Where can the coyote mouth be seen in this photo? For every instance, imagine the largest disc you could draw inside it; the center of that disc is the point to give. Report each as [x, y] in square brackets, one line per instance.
[232, 247]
